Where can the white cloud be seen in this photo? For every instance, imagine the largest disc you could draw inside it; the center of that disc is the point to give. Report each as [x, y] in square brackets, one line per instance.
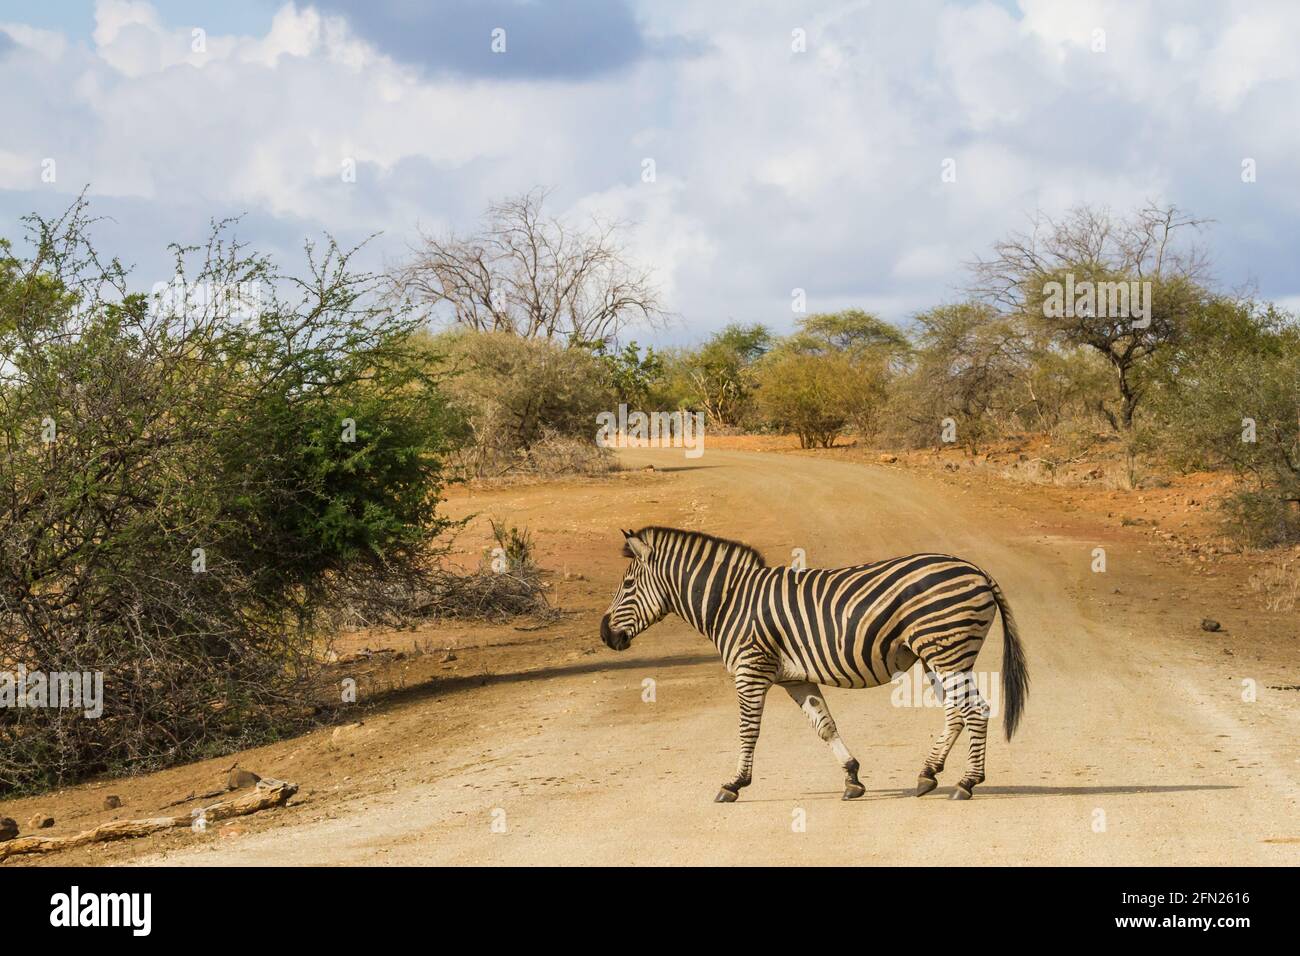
[16, 170]
[925, 262]
[775, 169]
[661, 231]
[46, 42]
[1251, 52]
[988, 59]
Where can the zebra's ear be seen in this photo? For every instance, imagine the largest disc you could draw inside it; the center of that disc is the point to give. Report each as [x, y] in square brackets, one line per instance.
[634, 547]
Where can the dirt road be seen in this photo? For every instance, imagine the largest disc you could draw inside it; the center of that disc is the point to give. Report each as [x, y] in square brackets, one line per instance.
[1136, 748]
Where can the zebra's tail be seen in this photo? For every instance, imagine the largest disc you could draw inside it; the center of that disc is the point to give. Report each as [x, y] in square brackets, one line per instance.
[1015, 673]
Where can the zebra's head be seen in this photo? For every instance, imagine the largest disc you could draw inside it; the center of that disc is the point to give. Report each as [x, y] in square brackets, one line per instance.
[641, 599]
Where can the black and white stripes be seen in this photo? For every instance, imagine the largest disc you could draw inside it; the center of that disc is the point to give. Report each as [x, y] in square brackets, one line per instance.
[847, 627]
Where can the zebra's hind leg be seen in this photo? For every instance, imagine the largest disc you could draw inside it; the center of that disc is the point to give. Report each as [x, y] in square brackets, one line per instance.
[975, 715]
[819, 715]
[752, 685]
[943, 744]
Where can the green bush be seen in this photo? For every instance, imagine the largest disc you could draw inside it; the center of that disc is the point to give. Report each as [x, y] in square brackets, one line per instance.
[183, 500]
[722, 373]
[1260, 519]
[517, 394]
[1229, 397]
[633, 379]
[808, 395]
[829, 377]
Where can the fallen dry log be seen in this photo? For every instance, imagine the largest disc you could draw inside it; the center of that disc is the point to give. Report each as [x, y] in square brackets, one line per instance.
[267, 794]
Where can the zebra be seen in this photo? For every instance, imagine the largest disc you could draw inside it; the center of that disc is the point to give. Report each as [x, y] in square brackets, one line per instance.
[844, 627]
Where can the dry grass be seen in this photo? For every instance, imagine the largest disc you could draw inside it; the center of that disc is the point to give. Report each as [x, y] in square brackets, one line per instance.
[1278, 585]
[552, 456]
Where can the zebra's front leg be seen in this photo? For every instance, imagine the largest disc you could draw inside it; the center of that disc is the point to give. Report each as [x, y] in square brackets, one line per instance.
[818, 713]
[752, 685]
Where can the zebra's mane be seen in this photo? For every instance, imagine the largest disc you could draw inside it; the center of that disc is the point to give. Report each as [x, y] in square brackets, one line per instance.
[682, 534]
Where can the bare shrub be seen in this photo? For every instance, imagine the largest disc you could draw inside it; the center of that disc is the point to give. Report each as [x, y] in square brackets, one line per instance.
[506, 584]
[530, 275]
[966, 365]
[554, 456]
[445, 593]
[488, 595]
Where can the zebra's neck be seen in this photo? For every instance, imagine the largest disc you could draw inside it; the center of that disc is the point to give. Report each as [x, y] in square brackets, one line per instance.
[703, 581]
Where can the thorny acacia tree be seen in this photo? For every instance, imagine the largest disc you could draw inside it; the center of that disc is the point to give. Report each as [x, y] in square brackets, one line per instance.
[1090, 244]
[531, 275]
[185, 485]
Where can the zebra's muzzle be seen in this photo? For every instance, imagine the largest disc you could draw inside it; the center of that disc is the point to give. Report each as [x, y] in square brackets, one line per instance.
[617, 640]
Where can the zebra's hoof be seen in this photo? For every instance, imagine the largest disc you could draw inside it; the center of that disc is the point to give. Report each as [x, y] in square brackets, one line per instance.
[853, 790]
[962, 792]
[726, 796]
[925, 784]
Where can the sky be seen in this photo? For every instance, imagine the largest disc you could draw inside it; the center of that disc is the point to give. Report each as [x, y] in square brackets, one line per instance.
[864, 153]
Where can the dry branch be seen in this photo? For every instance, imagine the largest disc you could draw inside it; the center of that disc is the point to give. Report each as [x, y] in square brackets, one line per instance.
[531, 275]
[267, 794]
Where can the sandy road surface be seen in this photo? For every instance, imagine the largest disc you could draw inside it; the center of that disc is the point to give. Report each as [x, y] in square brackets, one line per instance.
[1133, 750]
